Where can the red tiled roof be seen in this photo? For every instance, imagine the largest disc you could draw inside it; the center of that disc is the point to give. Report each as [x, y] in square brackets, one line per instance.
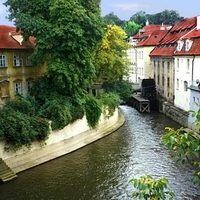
[193, 34]
[148, 29]
[153, 39]
[8, 42]
[168, 43]
[194, 50]
[165, 50]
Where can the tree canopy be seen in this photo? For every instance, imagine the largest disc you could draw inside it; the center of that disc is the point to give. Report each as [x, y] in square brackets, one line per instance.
[67, 33]
[165, 17]
[113, 19]
[110, 59]
[139, 18]
[131, 28]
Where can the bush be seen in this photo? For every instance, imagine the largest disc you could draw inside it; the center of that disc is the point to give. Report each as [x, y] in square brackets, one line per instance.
[110, 102]
[58, 112]
[149, 189]
[19, 129]
[120, 87]
[77, 112]
[27, 105]
[93, 111]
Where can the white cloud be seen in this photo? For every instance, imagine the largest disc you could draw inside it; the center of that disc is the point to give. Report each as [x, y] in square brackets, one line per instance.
[131, 7]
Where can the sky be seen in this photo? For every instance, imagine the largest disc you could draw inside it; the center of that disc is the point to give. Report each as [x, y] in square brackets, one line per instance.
[124, 9]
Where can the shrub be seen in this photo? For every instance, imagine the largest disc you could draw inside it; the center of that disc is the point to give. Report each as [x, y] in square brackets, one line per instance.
[27, 105]
[58, 112]
[19, 129]
[150, 189]
[110, 102]
[93, 111]
[121, 87]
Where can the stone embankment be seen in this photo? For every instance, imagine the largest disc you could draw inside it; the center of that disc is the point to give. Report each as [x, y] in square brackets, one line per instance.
[61, 142]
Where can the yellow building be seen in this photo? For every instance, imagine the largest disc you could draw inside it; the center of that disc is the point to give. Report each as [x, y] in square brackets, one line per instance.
[16, 72]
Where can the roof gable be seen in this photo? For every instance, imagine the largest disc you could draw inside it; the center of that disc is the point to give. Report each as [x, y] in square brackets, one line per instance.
[10, 39]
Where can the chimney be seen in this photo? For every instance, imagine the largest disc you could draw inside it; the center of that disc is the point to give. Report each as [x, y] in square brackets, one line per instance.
[198, 22]
[147, 22]
[162, 27]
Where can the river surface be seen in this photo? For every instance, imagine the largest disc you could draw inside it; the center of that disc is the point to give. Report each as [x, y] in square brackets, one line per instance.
[102, 170]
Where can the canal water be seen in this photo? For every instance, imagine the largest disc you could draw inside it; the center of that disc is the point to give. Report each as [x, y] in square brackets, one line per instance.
[102, 170]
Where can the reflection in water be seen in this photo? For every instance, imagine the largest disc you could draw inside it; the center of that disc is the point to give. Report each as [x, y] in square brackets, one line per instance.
[101, 171]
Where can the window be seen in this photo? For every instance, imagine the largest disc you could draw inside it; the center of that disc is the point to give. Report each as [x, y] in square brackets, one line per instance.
[177, 63]
[158, 79]
[28, 62]
[187, 47]
[17, 62]
[168, 82]
[168, 67]
[188, 44]
[163, 80]
[18, 88]
[29, 85]
[163, 65]
[179, 45]
[2, 61]
[188, 64]
[177, 83]
[185, 86]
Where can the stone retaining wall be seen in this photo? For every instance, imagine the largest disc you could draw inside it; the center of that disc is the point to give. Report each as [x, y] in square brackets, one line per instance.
[174, 113]
[61, 142]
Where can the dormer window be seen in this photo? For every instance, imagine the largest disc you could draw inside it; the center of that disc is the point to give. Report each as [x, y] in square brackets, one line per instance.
[179, 45]
[188, 44]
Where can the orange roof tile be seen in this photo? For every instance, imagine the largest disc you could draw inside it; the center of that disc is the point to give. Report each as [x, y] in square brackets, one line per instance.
[167, 45]
[8, 42]
[153, 38]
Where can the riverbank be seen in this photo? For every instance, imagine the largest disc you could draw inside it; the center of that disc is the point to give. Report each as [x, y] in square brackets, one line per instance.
[61, 142]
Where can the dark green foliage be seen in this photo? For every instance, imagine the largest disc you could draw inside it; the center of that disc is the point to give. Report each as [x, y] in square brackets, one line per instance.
[165, 17]
[24, 104]
[110, 102]
[77, 112]
[93, 111]
[58, 112]
[19, 129]
[113, 19]
[67, 32]
[120, 87]
[185, 146]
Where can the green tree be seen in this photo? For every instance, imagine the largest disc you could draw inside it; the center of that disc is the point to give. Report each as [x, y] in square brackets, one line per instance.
[131, 28]
[110, 58]
[185, 146]
[139, 18]
[165, 17]
[113, 19]
[67, 32]
[121, 87]
[150, 189]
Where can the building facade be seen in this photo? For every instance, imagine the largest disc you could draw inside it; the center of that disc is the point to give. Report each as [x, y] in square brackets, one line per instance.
[163, 61]
[16, 72]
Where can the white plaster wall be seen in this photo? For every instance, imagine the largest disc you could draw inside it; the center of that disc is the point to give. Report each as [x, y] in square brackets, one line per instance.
[61, 142]
[194, 95]
[182, 98]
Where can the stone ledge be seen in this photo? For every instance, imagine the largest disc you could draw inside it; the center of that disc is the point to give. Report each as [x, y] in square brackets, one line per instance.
[27, 159]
